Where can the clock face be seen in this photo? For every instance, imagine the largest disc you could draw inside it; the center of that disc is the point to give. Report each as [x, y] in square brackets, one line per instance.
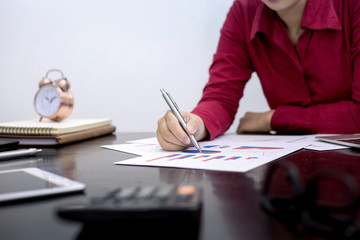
[47, 101]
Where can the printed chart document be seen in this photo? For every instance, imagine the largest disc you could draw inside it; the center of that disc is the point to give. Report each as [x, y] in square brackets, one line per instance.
[234, 153]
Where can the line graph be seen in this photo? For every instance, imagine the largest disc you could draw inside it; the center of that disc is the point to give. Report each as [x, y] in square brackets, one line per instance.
[257, 147]
[201, 157]
[203, 151]
[216, 146]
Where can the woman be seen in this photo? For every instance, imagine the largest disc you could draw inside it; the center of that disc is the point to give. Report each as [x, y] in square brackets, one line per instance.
[306, 54]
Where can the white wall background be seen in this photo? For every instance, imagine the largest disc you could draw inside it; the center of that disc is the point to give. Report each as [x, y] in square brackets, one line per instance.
[116, 54]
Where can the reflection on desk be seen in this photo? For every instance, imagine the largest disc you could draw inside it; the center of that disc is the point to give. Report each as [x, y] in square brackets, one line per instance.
[231, 207]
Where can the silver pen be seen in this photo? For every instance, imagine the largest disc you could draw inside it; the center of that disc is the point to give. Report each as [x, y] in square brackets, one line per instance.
[19, 153]
[175, 109]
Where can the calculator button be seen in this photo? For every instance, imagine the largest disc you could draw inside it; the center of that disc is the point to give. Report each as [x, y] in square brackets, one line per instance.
[106, 196]
[185, 193]
[112, 193]
[145, 192]
[164, 193]
[127, 193]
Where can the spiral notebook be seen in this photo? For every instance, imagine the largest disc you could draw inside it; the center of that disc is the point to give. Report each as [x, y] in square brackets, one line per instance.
[50, 128]
[28, 140]
[48, 133]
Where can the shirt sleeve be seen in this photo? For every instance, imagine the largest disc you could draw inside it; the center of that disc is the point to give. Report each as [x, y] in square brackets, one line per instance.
[337, 117]
[230, 70]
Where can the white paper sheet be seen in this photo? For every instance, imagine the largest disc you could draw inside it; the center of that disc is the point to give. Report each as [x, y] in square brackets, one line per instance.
[235, 153]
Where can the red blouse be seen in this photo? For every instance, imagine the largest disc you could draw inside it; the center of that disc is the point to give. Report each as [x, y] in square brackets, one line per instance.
[313, 87]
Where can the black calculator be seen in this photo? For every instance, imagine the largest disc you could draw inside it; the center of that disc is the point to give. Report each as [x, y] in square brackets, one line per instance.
[139, 204]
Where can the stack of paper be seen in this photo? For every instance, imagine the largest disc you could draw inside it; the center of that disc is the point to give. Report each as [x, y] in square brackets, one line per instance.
[234, 153]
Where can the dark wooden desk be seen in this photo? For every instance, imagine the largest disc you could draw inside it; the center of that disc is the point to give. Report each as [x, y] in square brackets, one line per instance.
[231, 207]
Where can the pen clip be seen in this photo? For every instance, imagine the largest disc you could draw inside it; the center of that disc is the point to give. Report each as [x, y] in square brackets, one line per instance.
[173, 101]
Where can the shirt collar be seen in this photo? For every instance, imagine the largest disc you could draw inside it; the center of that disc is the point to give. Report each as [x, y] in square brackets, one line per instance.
[318, 14]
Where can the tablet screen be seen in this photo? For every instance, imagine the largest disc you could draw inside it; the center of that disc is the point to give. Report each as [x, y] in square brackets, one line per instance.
[22, 181]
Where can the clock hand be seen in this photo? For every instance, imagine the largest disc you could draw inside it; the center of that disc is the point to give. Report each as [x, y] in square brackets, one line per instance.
[47, 99]
[52, 99]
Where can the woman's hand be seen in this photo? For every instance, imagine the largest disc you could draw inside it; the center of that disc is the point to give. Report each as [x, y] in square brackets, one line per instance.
[172, 137]
[253, 122]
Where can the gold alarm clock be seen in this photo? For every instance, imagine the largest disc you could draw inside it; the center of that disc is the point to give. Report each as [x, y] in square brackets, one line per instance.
[54, 99]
